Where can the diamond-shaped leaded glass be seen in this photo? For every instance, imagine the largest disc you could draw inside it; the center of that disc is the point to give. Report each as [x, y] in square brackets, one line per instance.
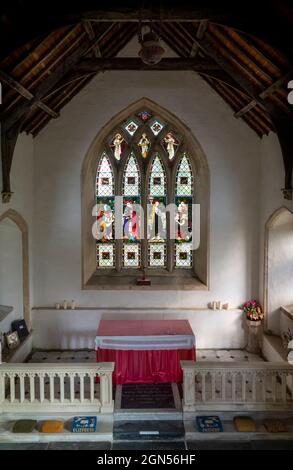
[156, 127]
[131, 255]
[183, 255]
[131, 127]
[184, 178]
[131, 178]
[105, 178]
[157, 178]
[157, 255]
[105, 255]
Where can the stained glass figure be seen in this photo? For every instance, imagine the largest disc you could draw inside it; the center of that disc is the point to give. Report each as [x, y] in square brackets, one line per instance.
[131, 177]
[184, 178]
[117, 145]
[131, 255]
[157, 180]
[183, 255]
[157, 221]
[183, 220]
[170, 143]
[105, 255]
[157, 255]
[156, 127]
[131, 127]
[144, 144]
[105, 178]
[144, 115]
[105, 219]
[130, 221]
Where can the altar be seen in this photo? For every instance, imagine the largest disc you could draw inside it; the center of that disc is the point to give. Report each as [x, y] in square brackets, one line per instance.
[145, 351]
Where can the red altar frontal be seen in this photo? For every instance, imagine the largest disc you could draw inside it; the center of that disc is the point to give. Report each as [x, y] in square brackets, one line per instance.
[145, 351]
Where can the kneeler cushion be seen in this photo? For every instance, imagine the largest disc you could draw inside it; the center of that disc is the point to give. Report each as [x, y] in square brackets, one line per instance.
[24, 425]
[275, 425]
[51, 426]
[244, 424]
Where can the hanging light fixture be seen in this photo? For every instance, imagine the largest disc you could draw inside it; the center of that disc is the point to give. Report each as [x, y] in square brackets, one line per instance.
[151, 51]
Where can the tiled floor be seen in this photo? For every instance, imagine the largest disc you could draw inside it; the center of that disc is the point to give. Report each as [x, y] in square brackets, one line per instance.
[222, 355]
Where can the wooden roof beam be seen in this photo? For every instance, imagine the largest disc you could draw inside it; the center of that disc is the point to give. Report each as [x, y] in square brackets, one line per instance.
[26, 93]
[91, 35]
[267, 92]
[129, 63]
[199, 34]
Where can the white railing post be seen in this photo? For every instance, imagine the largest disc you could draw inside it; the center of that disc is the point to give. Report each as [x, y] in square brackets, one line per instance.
[188, 383]
[105, 371]
[2, 389]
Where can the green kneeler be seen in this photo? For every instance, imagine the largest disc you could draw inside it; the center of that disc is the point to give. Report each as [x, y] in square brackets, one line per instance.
[24, 425]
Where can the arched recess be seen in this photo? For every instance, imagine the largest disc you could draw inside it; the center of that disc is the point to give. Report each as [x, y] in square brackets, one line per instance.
[20, 222]
[278, 266]
[88, 178]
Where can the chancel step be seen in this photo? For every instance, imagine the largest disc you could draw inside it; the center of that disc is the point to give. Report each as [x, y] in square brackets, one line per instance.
[148, 430]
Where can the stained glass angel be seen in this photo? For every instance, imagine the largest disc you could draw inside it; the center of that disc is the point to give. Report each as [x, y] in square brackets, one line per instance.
[144, 144]
[170, 145]
[117, 144]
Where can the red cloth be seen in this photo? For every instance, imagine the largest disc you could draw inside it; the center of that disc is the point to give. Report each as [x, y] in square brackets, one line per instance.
[144, 327]
[146, 366]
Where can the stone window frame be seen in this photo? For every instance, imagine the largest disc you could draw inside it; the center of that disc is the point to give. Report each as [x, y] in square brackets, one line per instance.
[196, 278]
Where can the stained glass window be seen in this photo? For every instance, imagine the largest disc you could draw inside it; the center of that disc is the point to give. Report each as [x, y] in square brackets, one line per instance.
[157, 255]
[184, 178]
[156, 127]
[131, 255]
[131, 177]
[157, 180]
[183, 255]
[144, 115]
[131, 127]
[105, 255]
[142, 151]
[105, 179]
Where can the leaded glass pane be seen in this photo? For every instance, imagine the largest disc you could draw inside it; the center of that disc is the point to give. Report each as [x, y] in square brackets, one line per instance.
[144, 115]
[156, 127]
[118, 145]
[183, 255]
[131, 127]
[157, 255]
[131, 218]
[105, 218]
[131, 178]
[105, 255]
[157, 179]
[184, 178]
[105, 178]
[131, 255]
[144, 145]
[157, 220]
[183, 218]
[170, 143]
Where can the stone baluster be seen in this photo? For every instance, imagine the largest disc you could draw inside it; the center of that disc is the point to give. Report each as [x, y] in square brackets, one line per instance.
[42, 386]
[81, 387]
[12, 387]
[243, 387]
[274, 386]
[203, 386]
[213, 384]
[2, 389]
[61, 379]
[52, 391]
[223, 385]
[71, 387]
[284, 387]
[32, 395]
[105, 372]
[233, 378]
[92, 387]
[21, 376]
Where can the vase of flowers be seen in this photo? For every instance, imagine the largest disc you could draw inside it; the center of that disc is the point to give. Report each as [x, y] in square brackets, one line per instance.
[254, 316]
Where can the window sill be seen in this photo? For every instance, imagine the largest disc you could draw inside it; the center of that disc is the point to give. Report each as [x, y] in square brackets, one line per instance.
[178, 280]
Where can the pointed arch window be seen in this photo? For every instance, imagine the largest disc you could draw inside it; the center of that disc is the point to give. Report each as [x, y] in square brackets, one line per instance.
[151, 169]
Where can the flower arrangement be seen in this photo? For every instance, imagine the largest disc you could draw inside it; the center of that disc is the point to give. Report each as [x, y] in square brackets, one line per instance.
[253, 310]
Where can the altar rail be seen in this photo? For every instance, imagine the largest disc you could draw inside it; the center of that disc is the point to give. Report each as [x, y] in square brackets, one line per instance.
[27, 388]
[237, 386]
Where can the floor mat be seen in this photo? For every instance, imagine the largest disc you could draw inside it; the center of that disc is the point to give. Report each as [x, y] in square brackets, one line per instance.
[147, 396]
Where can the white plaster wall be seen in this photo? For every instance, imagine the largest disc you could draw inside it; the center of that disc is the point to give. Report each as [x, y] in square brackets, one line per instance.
[271, 198]
[66, 329]
[11, 276]
[22, 170]
[280, 268]
[232, 150]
